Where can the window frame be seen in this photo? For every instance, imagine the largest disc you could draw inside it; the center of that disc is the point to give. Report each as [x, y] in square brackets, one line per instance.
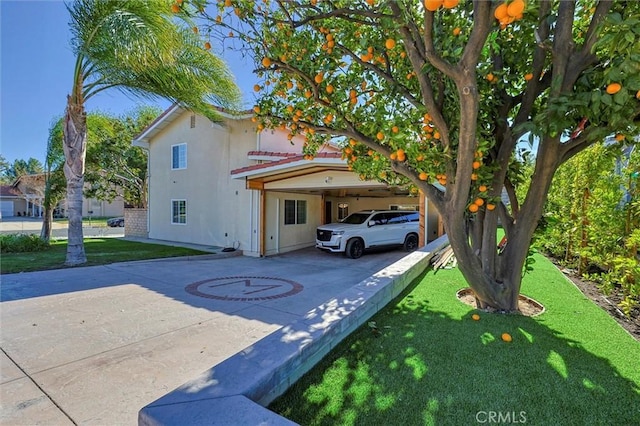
[173, 162]
[299, 214]
[178, 215]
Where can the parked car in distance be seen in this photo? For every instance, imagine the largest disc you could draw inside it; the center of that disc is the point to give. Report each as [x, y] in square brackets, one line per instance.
[115, 222]
[370, 229]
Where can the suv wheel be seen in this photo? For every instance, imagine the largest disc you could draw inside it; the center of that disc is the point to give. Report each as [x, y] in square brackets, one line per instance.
[355, 248]
[410, 242]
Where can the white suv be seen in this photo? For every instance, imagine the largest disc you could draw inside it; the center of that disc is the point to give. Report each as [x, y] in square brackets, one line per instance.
[369, 229]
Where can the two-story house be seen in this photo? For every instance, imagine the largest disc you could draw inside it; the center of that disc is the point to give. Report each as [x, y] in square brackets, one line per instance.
[226, 184]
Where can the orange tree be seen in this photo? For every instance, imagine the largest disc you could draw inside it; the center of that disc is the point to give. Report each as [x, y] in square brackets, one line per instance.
[436, 95]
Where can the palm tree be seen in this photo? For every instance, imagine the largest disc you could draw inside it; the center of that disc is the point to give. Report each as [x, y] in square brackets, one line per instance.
[141, 48]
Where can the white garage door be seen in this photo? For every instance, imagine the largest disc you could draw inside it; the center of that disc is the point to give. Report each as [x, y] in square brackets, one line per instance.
[6, 208]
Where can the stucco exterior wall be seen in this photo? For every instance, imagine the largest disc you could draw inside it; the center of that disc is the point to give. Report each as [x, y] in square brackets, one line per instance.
[218, 210]
[281, 238]
[102, 208]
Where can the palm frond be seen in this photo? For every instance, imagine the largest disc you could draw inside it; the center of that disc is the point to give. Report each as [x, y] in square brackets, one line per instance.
[138, 47]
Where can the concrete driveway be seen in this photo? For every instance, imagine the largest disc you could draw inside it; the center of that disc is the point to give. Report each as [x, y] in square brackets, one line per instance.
[94, 345]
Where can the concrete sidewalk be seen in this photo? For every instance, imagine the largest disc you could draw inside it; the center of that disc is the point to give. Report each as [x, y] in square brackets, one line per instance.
[94, 345]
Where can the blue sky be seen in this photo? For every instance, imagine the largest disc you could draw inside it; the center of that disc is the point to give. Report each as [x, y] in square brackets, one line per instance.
[36, 75]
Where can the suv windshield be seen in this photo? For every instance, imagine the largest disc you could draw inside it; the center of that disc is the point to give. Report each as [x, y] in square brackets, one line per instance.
[356, 218]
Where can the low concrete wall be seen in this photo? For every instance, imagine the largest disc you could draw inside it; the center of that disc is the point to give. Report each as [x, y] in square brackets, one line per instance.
[236, 390]
[135, 223]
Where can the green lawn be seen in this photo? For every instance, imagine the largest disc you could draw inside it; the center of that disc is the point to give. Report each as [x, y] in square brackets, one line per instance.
[432, 364]
[99, 251]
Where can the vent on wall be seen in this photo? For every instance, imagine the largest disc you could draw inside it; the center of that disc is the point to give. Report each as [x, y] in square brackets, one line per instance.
[193, 121]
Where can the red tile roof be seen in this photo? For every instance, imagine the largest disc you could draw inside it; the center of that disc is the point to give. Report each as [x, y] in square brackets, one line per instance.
[290, 159]
[273, 154]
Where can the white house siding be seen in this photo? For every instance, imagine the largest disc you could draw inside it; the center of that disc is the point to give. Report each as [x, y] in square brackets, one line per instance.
[281, 238]
[217, 206]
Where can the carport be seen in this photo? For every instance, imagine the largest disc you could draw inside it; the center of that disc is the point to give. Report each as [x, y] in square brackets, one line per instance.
[292, 196]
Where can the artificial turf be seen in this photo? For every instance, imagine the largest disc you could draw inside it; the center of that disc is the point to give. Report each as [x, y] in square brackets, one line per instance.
[433, 364]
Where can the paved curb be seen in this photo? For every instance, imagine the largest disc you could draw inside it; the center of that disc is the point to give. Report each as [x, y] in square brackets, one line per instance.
[236, 390]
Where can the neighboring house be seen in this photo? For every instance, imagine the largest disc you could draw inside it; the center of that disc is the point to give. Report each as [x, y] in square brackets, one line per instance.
[227, 185]
[26, 195]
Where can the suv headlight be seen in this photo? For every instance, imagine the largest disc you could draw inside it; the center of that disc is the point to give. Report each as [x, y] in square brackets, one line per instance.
[337, 232]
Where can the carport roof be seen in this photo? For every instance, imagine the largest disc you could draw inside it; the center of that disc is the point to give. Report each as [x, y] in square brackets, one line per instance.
[292, 165]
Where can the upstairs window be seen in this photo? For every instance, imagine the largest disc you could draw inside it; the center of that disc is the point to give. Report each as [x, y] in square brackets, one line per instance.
[179, 156]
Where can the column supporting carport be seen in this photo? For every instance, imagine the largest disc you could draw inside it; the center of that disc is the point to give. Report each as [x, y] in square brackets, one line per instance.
[259, 186]
[423, 222]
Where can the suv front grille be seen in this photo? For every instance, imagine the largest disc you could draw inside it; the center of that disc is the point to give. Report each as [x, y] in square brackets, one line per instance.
[323, 235]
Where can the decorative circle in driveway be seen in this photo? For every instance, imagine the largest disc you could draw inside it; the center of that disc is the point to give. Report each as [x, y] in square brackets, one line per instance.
[244, 289]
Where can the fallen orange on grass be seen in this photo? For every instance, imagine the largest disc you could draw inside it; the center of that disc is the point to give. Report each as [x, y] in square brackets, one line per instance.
[506, 337]
[475, 317]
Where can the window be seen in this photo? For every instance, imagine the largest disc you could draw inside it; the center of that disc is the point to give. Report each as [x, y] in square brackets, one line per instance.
[343, 210]
[295, 212]
[179, 156]
[179, 211]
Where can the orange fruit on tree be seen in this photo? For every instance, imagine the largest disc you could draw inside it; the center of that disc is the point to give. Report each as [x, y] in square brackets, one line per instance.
[490, 77]
[478, 202]
[506, 337]
[476, 165]
[501, 12]
[175, 8]
[318, 78]
[491, 206]
[474, 176]
[450, 4]
[393, 156]
[353, 142]
[528, 76]
[482, 188]
[473, 208]
[613, 88]
[257, 87]
[266, 62]
[371, 2]
[638, 95]
[423, 176]
[195, 30]
[515, 8]
[227, 3]
[256, 109]
[401, 155]
[475, 317]
[207, 45]
[380, 136]
[329, 88]
[395, 129]
[457, 31]
[432, 5]
[390, 43]
[619, 137]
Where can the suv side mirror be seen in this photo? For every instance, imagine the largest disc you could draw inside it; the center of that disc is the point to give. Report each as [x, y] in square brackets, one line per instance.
[371, 223]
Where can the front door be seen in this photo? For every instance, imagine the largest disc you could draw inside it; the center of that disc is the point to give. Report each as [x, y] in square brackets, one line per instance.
[327, 212]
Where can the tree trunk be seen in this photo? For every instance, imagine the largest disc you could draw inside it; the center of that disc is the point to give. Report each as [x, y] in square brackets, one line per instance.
[75, 137]
[47, 220]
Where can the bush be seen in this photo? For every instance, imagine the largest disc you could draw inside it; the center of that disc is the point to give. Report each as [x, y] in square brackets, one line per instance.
[21, 243]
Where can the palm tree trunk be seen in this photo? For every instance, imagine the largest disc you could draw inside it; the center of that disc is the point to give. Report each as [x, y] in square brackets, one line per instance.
[75, 138]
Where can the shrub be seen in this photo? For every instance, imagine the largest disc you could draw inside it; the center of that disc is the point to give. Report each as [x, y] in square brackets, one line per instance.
[21, 243]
